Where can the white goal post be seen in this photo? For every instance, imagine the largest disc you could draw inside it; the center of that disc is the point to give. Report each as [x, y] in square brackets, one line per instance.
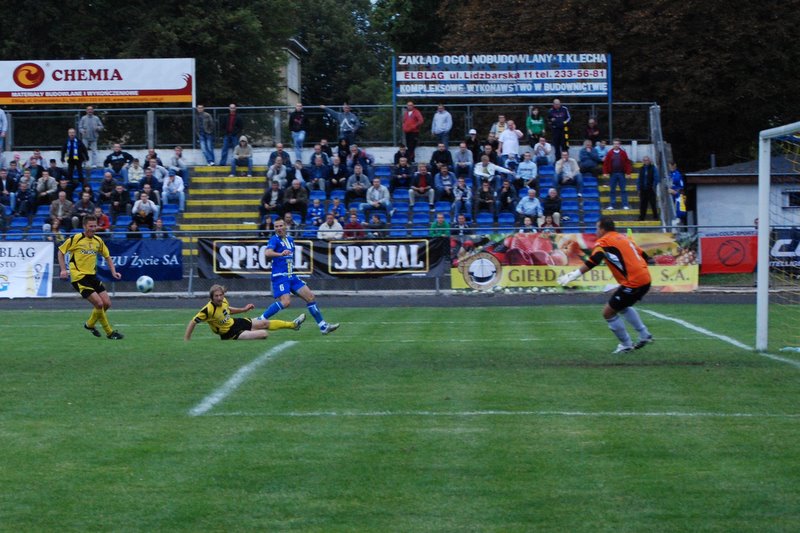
[764, 185]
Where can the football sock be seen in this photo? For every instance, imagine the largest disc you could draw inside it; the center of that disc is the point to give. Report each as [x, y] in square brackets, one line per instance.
[272, 309]
[631, 315]
[315, 312]
[104, 321]
[280, 324]
[93, 318]
[616, 325]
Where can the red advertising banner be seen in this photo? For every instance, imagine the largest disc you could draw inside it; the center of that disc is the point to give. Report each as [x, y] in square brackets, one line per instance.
[728, 254]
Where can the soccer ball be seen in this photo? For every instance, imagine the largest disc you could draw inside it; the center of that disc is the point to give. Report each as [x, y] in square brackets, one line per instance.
[144, 284]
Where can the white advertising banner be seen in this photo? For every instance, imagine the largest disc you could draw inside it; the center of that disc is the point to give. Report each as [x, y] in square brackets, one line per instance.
[92, 81]
[26, 269]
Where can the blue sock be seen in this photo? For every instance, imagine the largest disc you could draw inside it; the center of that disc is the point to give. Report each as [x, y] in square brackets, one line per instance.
[272, 309]
[315, 312]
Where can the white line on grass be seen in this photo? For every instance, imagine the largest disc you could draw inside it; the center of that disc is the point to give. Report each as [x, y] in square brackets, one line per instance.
[468, 414]
[237, 379]
[723, 338]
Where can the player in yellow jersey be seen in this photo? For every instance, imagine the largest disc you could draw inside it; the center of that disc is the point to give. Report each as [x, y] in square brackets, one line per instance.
[217, 314]
[628, 264]
[83, 249]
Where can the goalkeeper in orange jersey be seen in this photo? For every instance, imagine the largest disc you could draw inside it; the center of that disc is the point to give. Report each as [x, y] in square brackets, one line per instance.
[628, 264]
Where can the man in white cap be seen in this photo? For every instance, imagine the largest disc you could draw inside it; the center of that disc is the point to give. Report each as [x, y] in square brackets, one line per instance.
[474, 144]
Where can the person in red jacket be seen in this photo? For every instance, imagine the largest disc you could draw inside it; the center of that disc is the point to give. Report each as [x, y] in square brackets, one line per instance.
[412, 122]
[618, 167]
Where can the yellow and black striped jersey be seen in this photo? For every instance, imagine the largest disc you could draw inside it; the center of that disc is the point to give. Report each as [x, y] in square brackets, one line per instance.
[218, 318]
[83, 252]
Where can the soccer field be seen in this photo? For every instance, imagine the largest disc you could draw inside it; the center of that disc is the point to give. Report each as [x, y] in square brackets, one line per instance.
[406, 419]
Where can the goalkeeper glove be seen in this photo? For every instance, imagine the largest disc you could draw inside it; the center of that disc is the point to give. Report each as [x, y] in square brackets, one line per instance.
[569, 278]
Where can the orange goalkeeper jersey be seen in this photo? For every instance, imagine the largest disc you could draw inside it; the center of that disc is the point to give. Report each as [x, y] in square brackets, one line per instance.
[625, 260]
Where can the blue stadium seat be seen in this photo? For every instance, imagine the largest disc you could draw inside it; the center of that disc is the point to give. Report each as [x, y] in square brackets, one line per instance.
[506, 219]
[545, 182]
[381, 215]
[43, 210]
[591, 218]
[310, 233]
[146, 234]
[123, 221]
[421, 218]
[399, 218]
[420, 207]
[568, 192]
[420, 232]
[590, 192]
[19, 222]
[337, 193]
[589, 181]
[169, 209]
[400, 194]
[14, 235]
[37, 222]
[385, 182]
[484, 218]
[317, 194]
[398, 232]
[590, 206]
[442, 206]
[168, 220]
[569, 205]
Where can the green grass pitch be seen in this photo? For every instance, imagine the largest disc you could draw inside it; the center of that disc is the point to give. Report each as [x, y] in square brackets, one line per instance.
[406, 419]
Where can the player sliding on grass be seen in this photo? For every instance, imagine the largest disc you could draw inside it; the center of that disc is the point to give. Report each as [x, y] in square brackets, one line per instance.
[280, 250]
[628, 264]
[217, 314]
[83, 249]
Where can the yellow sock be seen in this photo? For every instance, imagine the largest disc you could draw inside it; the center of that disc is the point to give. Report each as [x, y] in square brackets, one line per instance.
[280, 324]
[93, 318]
[103, 318]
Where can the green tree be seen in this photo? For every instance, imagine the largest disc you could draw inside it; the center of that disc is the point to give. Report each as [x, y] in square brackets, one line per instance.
[411, 26]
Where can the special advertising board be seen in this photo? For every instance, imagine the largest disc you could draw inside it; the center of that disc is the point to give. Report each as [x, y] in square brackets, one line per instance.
[94, 81]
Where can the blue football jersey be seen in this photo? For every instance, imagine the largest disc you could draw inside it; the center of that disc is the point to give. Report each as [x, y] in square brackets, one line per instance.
[283, 265]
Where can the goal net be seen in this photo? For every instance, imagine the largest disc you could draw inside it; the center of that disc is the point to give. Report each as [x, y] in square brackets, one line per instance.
[778, 278]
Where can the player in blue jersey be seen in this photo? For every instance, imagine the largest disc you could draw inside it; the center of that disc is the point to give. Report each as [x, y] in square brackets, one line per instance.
[280, 250]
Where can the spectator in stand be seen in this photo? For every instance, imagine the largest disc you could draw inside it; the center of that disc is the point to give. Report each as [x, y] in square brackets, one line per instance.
[231, 128]
[339, 211]
[145, 211]
[619, 168]
[117, 162]
[444, 182]
[558, 118]
[421, 186]
[160, 231]
[3, 130]
[56, 171]
[174, 190]
[278, 172]
[441, 156]
[441, 125]
[81, 210]
[55, 231]
[134, 232]
[402, 175]
[589, 162]
[265, 226]
[486, 171]
[120, 202]
[9, 194]
[354, 229]
[298, 172]
[462, 197]
[159, 171]
[135, 173]
[46, 189]
[298, 124]
[486, 200]
[349, 123]
[527, 226]
[508, 144]
[568, 173]
[66, 186]
[357, 186]
[490, 151]
[343, 149]
[439, 227]
[551, 205]
[507, 197]
[474, 144]
[338, 174]
[26, 201]
[377, 198]
[676, 189]
[543, 152]
[592, 132]
[412, 122]
[527, 173]
[375, 227]
[357, 156]
[295, 198]
[331, 229]
[601, 149]
[60, 209]
[103, 222]
[90, 127]
[646, 185]
[34, 166]
[242, 157]
[319, 153]
[498, 127]
[271, 201]
[205, 133]
[464, 161]
[326, 148]
[401, 152]
[316, 213]
[150, 179]
[318, 175]
[27, 179]
[76, 155]
[550, 225]
[178, 163]
[14, 171]
[529, 206]
[283, 154]
[107, 187]
[535, 125]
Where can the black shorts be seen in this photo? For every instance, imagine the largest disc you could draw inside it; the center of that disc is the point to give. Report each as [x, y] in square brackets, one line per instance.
[627, 296]
[89, 284]
[239, 325]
